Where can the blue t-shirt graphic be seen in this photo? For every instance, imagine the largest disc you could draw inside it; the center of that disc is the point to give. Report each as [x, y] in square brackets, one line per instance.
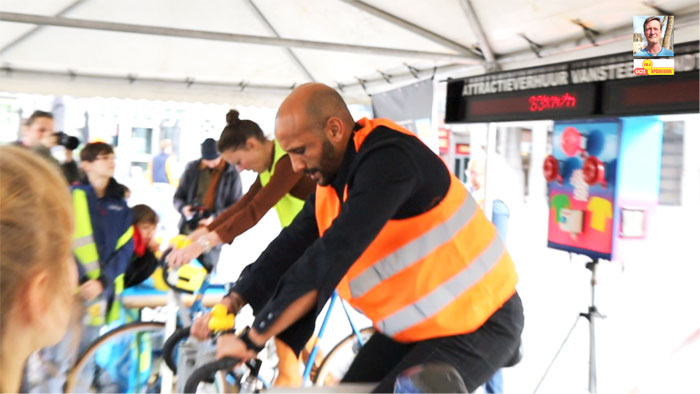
[663, 52]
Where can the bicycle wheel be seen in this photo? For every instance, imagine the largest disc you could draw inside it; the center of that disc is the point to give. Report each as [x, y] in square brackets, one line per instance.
[170, 347]
[338, 360]
[123, 360]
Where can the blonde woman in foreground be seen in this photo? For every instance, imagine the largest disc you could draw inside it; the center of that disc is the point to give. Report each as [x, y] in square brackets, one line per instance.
[37, 271]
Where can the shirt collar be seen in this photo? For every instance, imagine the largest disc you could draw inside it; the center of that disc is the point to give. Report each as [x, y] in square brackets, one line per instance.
[340, 179]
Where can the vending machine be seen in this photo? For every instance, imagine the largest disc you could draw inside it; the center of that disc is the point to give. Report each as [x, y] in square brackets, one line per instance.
[603, 180]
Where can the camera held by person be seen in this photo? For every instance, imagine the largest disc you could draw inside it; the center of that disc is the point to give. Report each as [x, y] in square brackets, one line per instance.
[198, 213]
[65, 140]
[39, 136]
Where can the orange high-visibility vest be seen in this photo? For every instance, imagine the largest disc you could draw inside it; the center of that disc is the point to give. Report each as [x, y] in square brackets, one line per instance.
[443, 272]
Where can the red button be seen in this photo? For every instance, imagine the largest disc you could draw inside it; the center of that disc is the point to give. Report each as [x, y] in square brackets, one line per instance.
[594, 171]
[571, 141]
[551, 169]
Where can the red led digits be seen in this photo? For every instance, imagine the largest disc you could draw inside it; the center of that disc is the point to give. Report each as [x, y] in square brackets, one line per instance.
[544, 102]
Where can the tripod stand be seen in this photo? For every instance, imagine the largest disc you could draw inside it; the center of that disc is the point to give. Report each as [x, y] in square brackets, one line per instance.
[590, 315]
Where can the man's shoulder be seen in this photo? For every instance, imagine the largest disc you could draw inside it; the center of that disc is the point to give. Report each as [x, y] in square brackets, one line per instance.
[662, 52]
[386, 149]
[386, 132]
[192, 165]
[384, 138]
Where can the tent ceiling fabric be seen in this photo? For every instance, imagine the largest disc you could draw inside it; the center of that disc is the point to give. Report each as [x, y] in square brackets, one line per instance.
[69, 60]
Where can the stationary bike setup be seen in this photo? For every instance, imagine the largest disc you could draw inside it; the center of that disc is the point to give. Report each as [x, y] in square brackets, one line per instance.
[181, 353]
[197, 361]
[591, 314]
[128, 356]
[599, 206]
[196, 365]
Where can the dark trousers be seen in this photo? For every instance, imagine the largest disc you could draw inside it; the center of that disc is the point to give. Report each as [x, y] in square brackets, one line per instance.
[476, 356]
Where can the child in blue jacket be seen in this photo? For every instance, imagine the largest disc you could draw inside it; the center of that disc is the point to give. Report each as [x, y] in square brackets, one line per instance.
[102, 247]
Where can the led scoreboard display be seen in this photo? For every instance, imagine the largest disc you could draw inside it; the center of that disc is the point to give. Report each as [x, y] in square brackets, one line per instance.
[551, 103]
[599, 87]
[652, 95]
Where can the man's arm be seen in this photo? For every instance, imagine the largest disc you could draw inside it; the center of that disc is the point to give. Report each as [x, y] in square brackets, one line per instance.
[180, 196]
[259, 279]
[384, 181]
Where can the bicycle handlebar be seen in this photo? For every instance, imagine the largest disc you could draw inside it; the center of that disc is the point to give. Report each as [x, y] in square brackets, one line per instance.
[207, 371]
[165, 270]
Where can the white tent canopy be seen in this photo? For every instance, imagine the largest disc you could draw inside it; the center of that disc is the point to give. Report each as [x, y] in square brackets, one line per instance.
[254, 51]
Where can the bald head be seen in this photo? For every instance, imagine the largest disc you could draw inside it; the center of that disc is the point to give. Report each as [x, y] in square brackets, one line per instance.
[314, 126]
[314, 104]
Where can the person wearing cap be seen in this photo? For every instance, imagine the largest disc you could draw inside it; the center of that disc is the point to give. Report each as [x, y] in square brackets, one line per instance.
[208, 186]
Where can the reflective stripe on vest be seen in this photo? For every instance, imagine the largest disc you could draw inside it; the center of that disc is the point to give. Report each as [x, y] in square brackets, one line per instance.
[413, 251]
[84, 247]
[115, 308]
[457, 267]
[124, 238]
[288, 206]
[444, 295]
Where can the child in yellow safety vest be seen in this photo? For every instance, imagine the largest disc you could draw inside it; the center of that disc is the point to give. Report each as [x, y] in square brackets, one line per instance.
[102, 247]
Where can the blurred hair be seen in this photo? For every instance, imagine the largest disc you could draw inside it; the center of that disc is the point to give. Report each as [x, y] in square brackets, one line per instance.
[649, 19]
[143, 213]
[94, 149]
[38, 114]
[237, 132]
[36, 223]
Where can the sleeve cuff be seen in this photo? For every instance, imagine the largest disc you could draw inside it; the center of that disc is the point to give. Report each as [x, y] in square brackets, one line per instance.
[103, 280]
[246, 289]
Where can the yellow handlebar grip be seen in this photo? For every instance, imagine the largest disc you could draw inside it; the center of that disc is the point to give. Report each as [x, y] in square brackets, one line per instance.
[180, 241]
[219, 310]
[220, 319]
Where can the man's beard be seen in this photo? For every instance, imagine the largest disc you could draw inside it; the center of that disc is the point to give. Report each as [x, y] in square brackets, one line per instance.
[326, 168]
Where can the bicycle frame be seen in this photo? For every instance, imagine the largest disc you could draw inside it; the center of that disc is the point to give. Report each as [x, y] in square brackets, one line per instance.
[306, 381]
[197, 304]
